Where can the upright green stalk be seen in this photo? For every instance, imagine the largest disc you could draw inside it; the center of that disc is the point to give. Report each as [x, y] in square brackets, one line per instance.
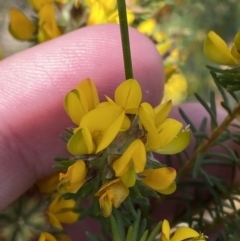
[125, 38]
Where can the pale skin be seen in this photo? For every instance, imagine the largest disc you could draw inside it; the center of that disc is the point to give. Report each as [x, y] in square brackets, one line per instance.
[33, 85]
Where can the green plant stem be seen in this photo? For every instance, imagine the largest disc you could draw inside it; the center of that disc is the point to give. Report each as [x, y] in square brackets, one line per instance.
[125, 39]
[215, 134]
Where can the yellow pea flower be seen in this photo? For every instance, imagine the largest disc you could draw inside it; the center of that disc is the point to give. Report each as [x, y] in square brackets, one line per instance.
[131, 162]
[37, 4]
[97, 15]
[48, 184]
[108, 6]
[217, 50]
[61, 211]
[99, 11]
[160, 131]
[177, 144]
[73, 180]
[81, 100]
[164, 47]
[147, 27]
[47, 24]
[182, 233]
[46, 28]
[112, 193]
[161, 179]
[97, 130]
[236, 46]
[17, 21]
[129, 95]
[49, 237]
[105, 12]
[46, 237]
[164, 135]
[114, 17]
[175, 88]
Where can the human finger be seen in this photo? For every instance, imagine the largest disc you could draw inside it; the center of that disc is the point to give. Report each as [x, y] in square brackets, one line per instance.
[33, 85]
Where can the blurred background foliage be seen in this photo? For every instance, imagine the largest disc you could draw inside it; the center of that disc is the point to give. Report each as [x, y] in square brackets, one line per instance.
[185, 21]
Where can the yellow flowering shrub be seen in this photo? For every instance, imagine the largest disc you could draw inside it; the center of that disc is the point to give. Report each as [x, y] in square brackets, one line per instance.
[115, 138]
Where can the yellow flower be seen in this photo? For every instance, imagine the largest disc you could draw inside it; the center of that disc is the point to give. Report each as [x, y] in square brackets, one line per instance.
[37, 4]
[182, 233]
[161, 131]
[114, 17]
[46, 237]
[129, 95]
[49, 237]
[17, 21]
[131, 162]
[175, 89]
[81, 100]
[48, 184]
[218, 52]
[160, 179]
[112, 193]
[45, 29]
[47, 25]
[105, 11]
[147, 27]
[61, 211]
[97, 130]
[73, 180]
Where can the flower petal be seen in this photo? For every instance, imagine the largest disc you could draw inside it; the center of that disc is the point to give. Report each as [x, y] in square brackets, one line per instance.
[129, 95]
[177, 144]
[171, 189]
[48, 28]
[81, 142]
[108, 6]
[165, 230]
[48, 184]
[167, 131]
[46, 237]
[54, 221]
[112, 193]
[104, 130]
[73, 180]
[17, 21]
[37, 4]
[106, 204]
[67, 216]
[162, 111]
[147, 119]
[217, 50]
[75, 108]
[88, 92]
[114, 17]
[129, 177]
[235, 53]
[135, 153]
[164, 47]
[183, 233]
[237, 40]
[147, 27]
[160, 178]
[97, 14]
